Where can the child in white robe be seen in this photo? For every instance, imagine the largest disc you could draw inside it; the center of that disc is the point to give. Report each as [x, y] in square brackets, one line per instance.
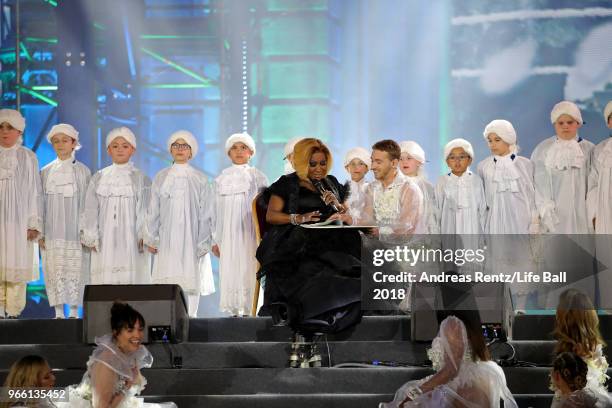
[179, 225]
[562, 164]
[288, 150]
[599, 197]
[510, 195]
[64, 182]
[599, 208]
[411, 165]
[235, 189]
[20, 214]
[508, 183]
[460, 193]
[357, 163]
[112, 222]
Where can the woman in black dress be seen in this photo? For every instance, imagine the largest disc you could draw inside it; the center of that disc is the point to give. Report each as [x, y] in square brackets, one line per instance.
[312, 276]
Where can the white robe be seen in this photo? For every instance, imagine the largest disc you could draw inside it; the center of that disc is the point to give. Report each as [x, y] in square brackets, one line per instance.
[178, 225]
[113, 222]
[510, 194]
[461, 203]
[235, 189]
[560, 178]
[599, 196]
[356, 199]
[430, 223]
[64, 264]
[20, 210]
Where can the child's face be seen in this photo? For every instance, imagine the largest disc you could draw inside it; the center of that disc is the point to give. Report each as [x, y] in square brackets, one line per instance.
[240, 153]
[63, 145]
[120, 150]
[610, 121]
[8, 135]
[497, 146]
[408, 165]
[357, 169]
[566, 127]
[458, 161]
[180, 151]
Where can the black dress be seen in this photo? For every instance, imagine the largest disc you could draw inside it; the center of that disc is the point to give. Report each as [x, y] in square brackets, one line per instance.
[312, 275]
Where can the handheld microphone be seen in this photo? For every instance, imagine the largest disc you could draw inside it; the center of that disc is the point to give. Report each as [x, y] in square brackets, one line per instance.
[320, 186]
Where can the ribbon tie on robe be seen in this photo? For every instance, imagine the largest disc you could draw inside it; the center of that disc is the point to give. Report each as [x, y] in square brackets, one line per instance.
[116, 181]
[506, 175]
[61, 178]
[235, 180]
[459, 190]
[564, 154]
[8, 164]
[175, 184]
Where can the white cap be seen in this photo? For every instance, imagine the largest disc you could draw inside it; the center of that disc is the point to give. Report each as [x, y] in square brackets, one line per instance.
[504, 130]
[455, 143]
[290, 145]
[566, 108]
[358, 153]
[66, 129]
[187, 137]
[13, 118]
[123, 132]
[413, 149]
[240, 138]
[608, 111]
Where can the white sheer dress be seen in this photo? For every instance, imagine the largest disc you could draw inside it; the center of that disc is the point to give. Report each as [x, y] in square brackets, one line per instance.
[465, 383]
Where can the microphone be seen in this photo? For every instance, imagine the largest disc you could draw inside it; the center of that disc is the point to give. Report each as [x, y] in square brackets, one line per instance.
[320, 186]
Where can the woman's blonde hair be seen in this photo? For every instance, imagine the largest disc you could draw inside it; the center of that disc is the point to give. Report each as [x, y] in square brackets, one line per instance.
[25, 373]
[303, 151]
[576, 324]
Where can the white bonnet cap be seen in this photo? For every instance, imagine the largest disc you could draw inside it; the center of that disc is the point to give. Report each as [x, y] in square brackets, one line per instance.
[413, 149]
[13, 118]
[240, 138]
[358, 153]
[455, 143]
[66, 129]
[608, 111]
[123, 132]
[503, 129]
[291, 144]
[187, 137]
[567, 108]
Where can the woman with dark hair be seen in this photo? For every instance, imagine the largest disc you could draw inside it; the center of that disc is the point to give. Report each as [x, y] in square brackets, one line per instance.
[113, 377]
[465, 375]
[312, 276]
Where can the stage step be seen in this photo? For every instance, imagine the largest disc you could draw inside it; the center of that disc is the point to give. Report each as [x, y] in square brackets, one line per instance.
[228, 355]
[247, 381]
[275, 354]
[371, 328]
[70, 331]
[311, 400]
[540, 327]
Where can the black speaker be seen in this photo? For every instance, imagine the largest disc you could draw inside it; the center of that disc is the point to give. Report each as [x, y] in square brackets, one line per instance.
[162, 306]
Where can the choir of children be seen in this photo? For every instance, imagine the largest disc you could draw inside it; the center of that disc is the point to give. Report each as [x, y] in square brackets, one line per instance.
[181, 217]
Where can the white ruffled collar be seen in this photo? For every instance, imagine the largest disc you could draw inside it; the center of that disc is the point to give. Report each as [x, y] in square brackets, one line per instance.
[565, 154]
[506, 173]
[13, 147]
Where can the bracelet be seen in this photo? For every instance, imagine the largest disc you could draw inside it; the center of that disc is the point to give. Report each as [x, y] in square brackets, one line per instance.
[293, 219]
[413, 393]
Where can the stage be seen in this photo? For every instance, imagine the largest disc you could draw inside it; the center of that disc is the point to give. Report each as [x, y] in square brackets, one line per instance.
[237, 362]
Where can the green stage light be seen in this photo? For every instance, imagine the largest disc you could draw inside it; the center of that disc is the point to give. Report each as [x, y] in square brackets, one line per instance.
[38, 95]
[176, 66]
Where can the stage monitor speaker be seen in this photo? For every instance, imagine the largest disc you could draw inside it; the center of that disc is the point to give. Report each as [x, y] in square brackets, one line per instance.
[162, 306]
[493, 303]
